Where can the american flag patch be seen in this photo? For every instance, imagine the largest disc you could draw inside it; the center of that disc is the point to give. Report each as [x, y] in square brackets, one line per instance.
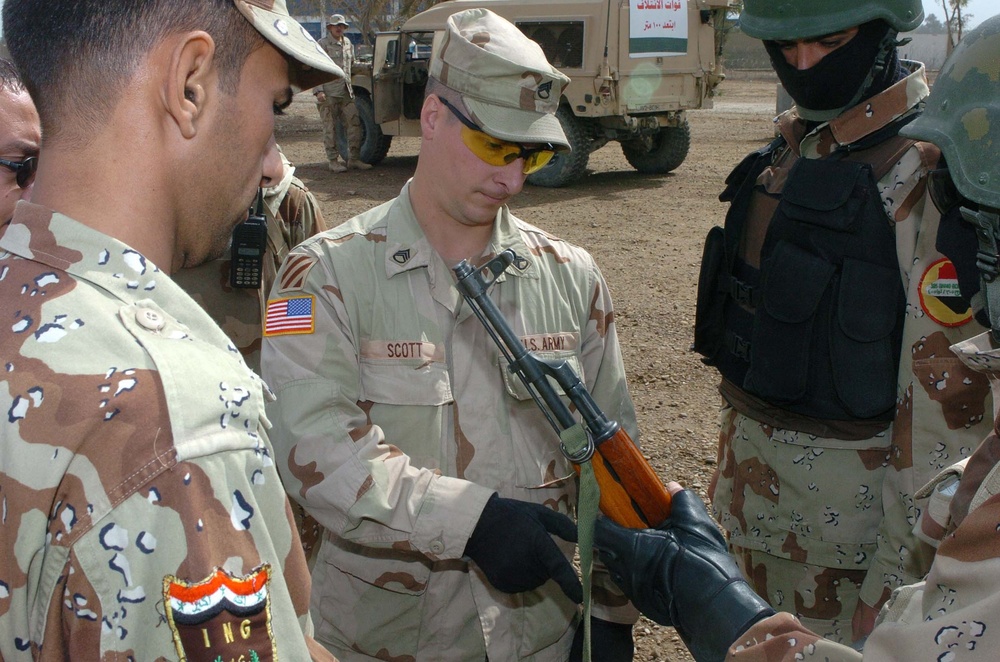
[289, 316]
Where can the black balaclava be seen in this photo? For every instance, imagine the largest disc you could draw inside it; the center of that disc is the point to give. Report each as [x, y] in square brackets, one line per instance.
[858, 70]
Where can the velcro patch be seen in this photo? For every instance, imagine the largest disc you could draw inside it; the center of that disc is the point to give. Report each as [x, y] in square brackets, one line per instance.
[222, 617]
[290, 316]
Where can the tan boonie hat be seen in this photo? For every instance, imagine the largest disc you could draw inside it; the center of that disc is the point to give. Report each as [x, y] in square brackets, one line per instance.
[509, 87]
[337, 19]
[311, 66]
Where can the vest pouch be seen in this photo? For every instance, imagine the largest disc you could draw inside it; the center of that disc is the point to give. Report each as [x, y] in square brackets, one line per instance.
[709, 322]
[785, 323]
[825, 193]
[864, 340]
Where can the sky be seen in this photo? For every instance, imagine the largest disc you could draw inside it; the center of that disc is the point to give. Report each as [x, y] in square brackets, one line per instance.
[980, 10]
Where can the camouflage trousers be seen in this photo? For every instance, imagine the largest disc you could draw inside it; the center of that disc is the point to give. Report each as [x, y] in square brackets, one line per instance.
[801, 513]
[342, 110]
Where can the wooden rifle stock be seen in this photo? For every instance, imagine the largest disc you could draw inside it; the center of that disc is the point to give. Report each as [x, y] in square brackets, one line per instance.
[631, 492]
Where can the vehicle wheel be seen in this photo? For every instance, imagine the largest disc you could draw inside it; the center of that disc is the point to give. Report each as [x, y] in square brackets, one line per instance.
[374, 144]
[660, 152]
[566, 167]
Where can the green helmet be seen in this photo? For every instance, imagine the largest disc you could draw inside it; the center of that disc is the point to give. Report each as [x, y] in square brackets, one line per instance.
[962, 115]
[801, 19]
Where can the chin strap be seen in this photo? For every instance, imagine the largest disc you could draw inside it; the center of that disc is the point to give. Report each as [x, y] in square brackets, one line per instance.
[987, 224]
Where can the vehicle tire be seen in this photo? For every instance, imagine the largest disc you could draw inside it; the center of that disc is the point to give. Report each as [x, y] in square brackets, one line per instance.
[374, 144]
[566, 167]
[660, 152]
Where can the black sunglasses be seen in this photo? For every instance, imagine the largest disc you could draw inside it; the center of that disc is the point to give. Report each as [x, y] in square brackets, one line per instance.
[24, 171]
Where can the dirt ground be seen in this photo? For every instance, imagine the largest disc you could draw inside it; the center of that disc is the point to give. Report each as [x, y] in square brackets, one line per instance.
[646, 232]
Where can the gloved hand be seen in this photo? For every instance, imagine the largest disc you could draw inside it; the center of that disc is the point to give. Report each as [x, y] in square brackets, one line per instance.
[609, 642]
[681, 574]
[511, 545]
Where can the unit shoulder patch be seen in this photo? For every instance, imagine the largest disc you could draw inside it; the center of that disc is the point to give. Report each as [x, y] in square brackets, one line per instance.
[940, 298]
[222, 617]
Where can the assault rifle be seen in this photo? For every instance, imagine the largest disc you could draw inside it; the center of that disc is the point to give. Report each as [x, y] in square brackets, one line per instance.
[631, 493]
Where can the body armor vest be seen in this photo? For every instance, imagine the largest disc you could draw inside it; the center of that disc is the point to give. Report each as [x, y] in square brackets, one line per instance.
[800, 300]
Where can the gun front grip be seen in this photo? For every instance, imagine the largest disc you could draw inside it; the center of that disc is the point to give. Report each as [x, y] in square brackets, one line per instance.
[631, 493]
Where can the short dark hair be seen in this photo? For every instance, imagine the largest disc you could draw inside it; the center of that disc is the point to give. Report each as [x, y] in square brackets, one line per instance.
[77, 56]
[10, 79]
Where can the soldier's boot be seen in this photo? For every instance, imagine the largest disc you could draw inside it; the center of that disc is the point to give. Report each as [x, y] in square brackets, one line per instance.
[358, 164]
[337, 166]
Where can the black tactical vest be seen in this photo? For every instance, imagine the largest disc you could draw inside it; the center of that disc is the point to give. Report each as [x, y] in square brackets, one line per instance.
[816, 329]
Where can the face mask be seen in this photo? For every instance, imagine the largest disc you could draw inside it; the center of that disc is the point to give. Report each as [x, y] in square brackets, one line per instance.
[844, 77]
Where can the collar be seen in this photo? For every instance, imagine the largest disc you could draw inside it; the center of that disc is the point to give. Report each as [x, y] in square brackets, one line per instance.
[407, 247]
[47, 237]
[860, 120]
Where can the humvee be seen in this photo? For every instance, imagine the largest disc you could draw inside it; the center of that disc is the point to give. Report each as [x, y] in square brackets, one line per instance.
[636, 67]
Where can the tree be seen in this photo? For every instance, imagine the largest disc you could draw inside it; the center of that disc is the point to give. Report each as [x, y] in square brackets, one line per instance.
[955, 21]
[931, 25]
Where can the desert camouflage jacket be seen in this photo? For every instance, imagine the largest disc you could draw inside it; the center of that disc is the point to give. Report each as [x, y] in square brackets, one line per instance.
[293, 215]
[955, 613]
[396, 419]
[143, 517]
[341, 52]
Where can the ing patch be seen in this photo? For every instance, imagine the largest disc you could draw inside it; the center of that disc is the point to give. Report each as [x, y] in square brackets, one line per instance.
[222, 617]
[940, 298]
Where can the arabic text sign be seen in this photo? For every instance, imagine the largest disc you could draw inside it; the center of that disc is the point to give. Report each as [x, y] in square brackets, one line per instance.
[658, 27]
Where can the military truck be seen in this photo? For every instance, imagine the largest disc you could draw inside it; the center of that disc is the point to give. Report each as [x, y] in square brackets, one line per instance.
[637, 66]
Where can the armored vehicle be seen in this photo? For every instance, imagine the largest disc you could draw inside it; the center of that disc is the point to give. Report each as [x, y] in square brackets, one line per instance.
[637, 66]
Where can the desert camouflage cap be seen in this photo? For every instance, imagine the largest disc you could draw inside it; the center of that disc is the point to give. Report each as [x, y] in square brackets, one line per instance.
[508, 86]
[962, 115]
[311, 66]
[337, 19]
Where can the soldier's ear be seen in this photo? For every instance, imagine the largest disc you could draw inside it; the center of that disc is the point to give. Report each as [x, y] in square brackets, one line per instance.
[431, 116]
[191, 79]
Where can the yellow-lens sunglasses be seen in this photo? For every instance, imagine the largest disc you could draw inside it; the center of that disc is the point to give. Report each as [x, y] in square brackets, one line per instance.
[498, 152]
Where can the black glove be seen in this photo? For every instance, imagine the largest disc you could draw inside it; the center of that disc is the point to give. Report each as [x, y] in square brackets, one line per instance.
[682, 575]
[511, 545]
[609, 642]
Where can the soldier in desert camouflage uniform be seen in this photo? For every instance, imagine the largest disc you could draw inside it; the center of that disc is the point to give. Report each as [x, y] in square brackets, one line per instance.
[829, 316]
[955, 613]
[143, 517]
[335, 100]
[397, 424]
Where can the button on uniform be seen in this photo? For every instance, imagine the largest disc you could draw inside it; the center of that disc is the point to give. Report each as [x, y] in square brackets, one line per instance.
[149, 319]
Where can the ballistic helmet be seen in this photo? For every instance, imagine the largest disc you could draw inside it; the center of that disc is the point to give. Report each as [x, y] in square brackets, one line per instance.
[782, 20]
[962, 115]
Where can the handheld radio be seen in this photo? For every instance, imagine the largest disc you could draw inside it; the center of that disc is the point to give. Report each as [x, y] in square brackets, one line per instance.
[248, 246]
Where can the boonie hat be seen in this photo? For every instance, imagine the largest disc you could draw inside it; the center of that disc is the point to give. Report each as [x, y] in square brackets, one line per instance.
[312, 65]
[337, 19]
[506, 83]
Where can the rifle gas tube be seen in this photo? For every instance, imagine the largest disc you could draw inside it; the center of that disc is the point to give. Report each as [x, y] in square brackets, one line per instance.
[631, 492]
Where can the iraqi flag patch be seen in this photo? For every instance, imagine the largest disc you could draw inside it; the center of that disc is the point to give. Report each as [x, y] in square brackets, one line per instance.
[222, 617]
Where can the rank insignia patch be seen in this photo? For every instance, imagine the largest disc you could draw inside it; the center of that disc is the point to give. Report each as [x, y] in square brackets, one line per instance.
[222, 617]
[940, 298]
